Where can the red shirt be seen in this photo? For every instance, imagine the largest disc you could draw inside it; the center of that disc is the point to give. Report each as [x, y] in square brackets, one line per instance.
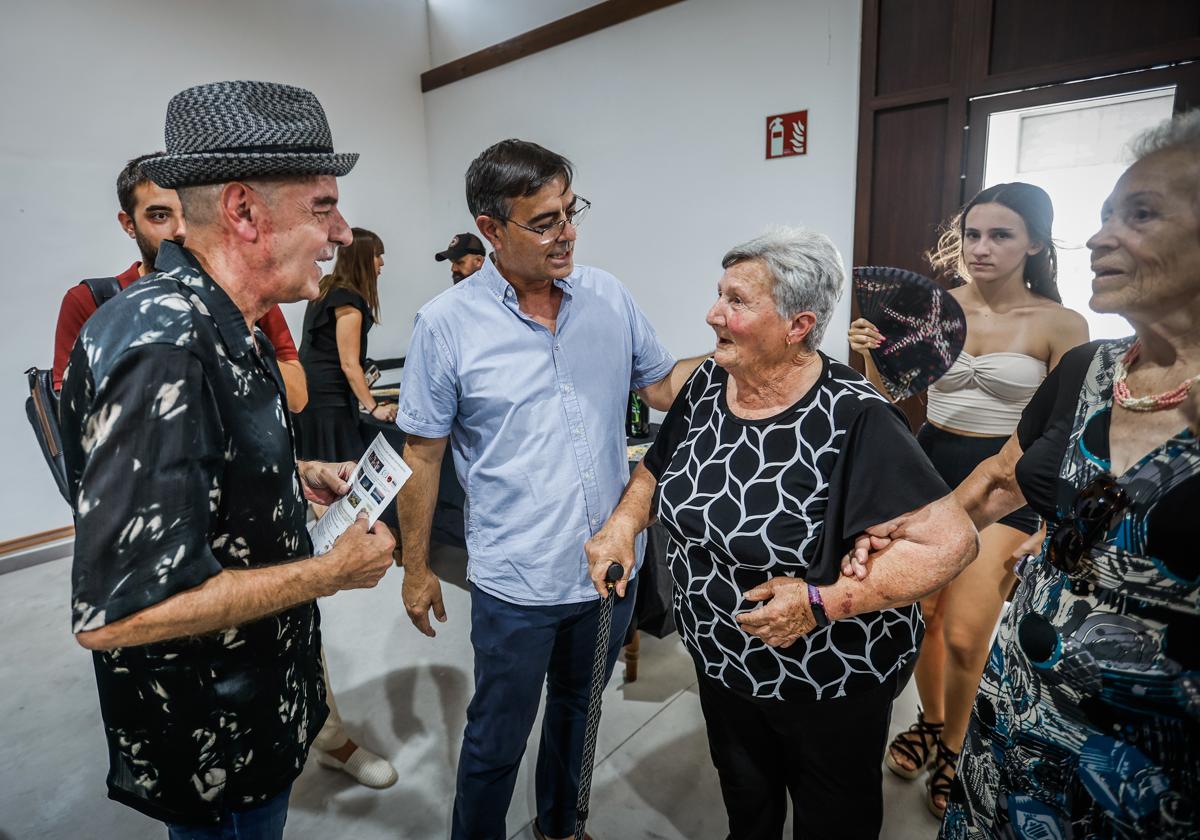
[78, 305]
[276, 328]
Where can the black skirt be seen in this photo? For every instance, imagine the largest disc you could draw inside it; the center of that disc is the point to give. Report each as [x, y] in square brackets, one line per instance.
[328, 433]
[956, 456]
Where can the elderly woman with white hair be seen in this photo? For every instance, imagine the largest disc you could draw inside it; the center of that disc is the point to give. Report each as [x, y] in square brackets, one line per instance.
[1087, 721]
[772, 459]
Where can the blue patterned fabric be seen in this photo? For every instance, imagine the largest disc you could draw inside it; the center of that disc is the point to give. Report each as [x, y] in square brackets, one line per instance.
[1087, 722]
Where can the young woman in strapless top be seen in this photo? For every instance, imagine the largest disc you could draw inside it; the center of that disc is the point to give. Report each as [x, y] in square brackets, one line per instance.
[1017, 330]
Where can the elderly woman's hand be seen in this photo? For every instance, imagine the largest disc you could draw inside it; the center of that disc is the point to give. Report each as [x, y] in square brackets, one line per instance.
[1027, 550]
[612, 544]
[1032, 546]
[785, 617]
[863, 336]
[855, 563]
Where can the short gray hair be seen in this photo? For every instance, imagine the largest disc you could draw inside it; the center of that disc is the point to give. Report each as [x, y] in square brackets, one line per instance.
[199, 202]
[1180, 132]
[806, 273]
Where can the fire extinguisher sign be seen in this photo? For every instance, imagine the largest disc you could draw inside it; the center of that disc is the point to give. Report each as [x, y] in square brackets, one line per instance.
[787, 134]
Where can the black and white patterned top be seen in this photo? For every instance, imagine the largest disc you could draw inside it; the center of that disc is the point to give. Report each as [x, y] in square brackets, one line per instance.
[180, 463]
[748, 500]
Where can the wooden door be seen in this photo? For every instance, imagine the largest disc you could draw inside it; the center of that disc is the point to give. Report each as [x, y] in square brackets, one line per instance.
[926, 68]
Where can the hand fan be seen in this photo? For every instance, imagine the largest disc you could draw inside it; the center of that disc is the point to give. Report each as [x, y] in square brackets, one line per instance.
[923, 326]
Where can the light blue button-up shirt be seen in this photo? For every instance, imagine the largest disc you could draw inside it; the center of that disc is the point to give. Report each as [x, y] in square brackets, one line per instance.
[536, 421]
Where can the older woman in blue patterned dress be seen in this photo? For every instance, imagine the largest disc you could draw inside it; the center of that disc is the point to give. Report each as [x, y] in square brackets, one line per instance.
[1087, 722]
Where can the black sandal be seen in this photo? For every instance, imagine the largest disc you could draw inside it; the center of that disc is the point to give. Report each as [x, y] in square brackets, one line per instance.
[914, 744]
[942, 777]
[538, 835]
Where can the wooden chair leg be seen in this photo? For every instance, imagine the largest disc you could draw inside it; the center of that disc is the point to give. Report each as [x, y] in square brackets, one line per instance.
[631, 657]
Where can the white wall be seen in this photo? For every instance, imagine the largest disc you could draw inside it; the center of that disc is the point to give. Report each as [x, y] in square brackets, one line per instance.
[461, 27]
[664, 116]
[84, 87]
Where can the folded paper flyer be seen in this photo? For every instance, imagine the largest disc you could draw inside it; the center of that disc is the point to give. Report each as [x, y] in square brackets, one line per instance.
[377, 478]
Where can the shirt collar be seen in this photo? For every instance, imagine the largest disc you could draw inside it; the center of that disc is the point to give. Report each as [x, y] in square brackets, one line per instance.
[177, 261]
[502, 289]
[130, 275]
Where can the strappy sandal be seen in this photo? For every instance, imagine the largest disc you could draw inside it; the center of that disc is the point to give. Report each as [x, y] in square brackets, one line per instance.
[939, 782]
[918, 743]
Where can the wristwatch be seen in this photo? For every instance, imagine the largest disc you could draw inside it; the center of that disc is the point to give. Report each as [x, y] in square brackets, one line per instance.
[817, 606]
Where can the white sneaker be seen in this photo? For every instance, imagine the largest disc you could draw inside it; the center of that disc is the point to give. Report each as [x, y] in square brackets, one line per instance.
[363, 766]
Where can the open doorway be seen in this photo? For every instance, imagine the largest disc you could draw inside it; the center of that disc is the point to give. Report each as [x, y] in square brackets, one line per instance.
[1075, 151]
[1072, 141]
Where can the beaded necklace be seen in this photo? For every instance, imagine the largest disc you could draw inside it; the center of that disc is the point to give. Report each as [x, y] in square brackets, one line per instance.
[1157, 402]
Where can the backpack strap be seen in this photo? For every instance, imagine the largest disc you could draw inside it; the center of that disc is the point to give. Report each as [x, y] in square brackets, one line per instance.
[41, 408]
[103, 289]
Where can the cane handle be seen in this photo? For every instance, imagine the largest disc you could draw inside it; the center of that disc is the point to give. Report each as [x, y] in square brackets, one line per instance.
[615, 572]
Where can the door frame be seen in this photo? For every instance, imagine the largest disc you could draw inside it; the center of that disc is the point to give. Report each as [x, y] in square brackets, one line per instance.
[1185, 77]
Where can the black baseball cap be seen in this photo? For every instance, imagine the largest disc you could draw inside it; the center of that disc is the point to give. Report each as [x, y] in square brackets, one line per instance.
[460, 246]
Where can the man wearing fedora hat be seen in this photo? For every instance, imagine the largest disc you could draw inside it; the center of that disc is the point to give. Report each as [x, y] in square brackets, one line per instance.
[192, 579]
[465, 253]
[148, 215]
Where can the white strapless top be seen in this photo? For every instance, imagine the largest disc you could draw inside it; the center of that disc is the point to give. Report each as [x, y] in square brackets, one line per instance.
[985, 394]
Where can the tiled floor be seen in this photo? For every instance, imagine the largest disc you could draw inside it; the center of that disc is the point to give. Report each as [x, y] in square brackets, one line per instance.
[402, 694]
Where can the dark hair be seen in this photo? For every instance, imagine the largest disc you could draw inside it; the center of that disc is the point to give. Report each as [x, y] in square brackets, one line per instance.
[129, 179]
[509, 170]
[354, 269]
[1034, 207]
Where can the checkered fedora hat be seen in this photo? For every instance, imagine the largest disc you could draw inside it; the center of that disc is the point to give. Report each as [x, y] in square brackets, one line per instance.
[225, 131]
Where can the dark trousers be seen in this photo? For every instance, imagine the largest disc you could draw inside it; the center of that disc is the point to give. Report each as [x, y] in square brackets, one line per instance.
[517, 649]
[824, 754]
[264, 822]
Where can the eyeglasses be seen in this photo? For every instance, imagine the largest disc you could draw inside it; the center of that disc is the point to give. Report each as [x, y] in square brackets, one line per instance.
[1097, 508]
[551, 232]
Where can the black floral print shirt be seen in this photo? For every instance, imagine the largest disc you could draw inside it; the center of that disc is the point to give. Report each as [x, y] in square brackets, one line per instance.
[180, 459]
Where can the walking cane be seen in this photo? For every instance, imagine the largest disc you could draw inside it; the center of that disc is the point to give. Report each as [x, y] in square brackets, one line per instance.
[599, 658]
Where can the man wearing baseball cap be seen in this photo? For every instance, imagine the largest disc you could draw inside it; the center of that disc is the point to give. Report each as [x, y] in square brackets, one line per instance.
[192, 580]
[465, 253]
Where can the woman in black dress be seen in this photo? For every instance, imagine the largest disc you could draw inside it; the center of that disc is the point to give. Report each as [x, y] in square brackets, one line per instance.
[333, 350]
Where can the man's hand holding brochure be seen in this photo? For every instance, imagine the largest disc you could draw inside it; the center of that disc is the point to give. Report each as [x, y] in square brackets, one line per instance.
[374, 483]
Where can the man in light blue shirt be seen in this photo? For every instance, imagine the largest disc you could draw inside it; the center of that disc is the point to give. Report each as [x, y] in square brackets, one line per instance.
[525, 367]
